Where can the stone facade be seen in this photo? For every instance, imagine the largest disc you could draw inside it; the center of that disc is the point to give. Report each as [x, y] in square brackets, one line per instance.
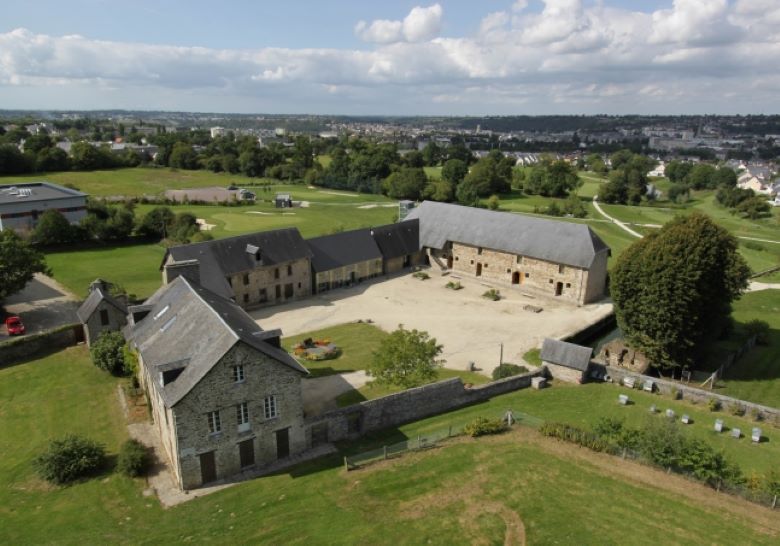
[350, 274]
[560, 281]
[185, 431]
[395, 265]
[273, 284]
[564, 373]
[105, 318]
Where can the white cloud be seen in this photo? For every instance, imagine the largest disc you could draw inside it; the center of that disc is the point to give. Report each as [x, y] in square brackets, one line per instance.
[421, 24]
[570, 57]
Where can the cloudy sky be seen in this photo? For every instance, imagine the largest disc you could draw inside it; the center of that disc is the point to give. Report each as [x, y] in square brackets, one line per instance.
[393, 57]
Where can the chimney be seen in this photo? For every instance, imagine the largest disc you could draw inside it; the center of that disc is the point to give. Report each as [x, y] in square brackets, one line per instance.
[189, 269]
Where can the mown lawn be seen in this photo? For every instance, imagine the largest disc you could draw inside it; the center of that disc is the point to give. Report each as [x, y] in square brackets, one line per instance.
[468, 491]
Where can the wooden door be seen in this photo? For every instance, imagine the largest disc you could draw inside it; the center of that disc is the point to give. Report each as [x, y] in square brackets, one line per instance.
[282, 443]
[246, 452]
[208, 468]
[516, 277]
[558, 289]
[479, 270]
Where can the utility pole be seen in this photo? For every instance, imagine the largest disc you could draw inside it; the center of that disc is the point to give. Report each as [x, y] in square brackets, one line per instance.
[501, 356]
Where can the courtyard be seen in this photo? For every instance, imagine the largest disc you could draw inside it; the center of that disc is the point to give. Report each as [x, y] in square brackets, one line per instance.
[469, 327]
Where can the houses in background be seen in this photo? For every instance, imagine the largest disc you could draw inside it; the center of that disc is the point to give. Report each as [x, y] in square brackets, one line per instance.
[22, 204]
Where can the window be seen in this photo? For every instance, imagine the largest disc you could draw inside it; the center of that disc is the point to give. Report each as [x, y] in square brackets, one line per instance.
[238, 374]
[551, 281]
[457, 258]
[104, 317]
[508, 270]
[242, 417]
[472, 262]
[527, 275]
[269, 405]
[276, 273]
[519, 259]
[246, 279]
[479, 251]
[263, 295]
[299, 285]
[215, 425]
[561, 269]
[278, 291]
[246, 298]
[289, 270]
[568, 285]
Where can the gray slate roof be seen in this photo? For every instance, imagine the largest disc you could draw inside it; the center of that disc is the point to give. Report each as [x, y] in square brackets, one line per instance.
[229, 256]
[566, 354]
[396, 240]
[192, 325]
[93, 300]
[555, 241]
[342, 249]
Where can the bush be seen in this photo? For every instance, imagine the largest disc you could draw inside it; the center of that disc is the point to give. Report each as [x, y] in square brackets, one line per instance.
[760, 329]
[508, 370]
[422, 275]
[737, 410]
[492, 294]
[69, 459]
[482, 426]
[133, 459]
[714, 404]
[108, 353]
[453, 285]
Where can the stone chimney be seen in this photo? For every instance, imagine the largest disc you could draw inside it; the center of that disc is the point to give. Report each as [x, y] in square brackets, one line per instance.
[189, 269]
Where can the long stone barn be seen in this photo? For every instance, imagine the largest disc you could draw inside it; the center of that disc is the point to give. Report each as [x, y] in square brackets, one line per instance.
[562, 260]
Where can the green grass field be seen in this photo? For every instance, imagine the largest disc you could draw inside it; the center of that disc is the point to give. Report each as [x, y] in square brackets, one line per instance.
[469, 491]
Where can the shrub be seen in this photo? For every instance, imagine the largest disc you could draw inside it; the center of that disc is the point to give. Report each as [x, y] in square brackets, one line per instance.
[133, 459]
[508, 370]
[760, 329]
[108, 353]
[482, 426]
[492, 294]
[674, 393]
[422, 275]
[755, 414]
[713, 404]
[737, 410]
[68, 459]
[453, 285]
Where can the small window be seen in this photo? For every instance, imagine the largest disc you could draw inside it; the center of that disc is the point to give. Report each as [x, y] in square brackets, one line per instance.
[479, 251]
[276, 273]
[561, 269]
[299, 285]
[246, 298]
[215, 424]
[270, 407]
[568, 285]
[457, 258]
[551, 281]
[289, 270]
[238, 374]
[519, 259]
[242, 416]
[104, 317]
[486, 266]
[508, 270]
[472, 262]
[527, 275]
[246, 279]
[263, 295]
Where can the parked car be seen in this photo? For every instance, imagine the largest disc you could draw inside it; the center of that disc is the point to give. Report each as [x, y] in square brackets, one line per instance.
[15, 326]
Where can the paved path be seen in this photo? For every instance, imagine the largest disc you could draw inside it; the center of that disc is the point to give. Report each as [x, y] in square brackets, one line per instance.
[755, 286]
[43, 304]
[620, 224]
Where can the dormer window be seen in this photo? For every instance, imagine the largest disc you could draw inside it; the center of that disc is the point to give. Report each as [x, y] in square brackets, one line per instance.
[254, 251]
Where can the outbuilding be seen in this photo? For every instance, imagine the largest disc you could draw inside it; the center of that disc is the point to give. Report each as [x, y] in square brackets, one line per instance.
[22, 204]
[566, 361]
[101, 312]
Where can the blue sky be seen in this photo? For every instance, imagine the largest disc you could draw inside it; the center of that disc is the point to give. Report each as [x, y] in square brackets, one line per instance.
[400, 57]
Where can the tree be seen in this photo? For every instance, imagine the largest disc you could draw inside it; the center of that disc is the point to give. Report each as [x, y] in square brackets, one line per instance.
[677, 171]
[108, 353]
[491, 174]
[454, 171]
[12, 161]
[673, 289]
[183, 156]
[493, 202]
[702, 176]
[679, 192]
[18, 263]
[552, 179]
[52, 229]
[52, 159]
[157, 223]
[68, 459]
[405, 358]
[406, 183]
[725, 177]
[754, 207]
[432, 154]
[467, 194]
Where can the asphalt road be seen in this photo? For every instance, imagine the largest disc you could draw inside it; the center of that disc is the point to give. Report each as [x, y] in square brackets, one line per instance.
[42, 305]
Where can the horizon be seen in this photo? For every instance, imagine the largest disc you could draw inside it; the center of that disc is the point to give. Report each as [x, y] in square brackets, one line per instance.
[405, 59]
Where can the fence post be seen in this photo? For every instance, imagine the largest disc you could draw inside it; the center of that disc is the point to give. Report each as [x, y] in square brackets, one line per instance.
[774, 502]
[449, 431]
[384, 450]
[346, 464]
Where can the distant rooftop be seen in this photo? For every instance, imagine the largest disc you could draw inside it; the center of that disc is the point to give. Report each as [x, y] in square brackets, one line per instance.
[35, 191]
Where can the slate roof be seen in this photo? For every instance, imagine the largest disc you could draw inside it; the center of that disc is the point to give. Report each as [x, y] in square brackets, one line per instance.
[555, 241]
[93, 300]
[195, 327]
[566, 354]
[342, 249]
[396, 240]
[224, 257]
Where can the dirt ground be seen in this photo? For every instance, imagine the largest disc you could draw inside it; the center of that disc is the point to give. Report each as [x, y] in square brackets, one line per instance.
[470, 328]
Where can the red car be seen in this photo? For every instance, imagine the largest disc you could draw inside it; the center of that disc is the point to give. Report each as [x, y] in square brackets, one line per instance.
[14, 326]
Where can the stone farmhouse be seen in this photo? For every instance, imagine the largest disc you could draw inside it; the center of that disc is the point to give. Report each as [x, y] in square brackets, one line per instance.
[101, 312]
[22, 204]
[344, 258]
[545, 257]
[224, 396]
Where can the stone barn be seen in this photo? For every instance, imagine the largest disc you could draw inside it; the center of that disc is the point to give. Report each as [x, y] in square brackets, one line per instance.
[551, 258]
[400, 245]
[343, 259]
[101, 312]
[224, 396]
[566, 361]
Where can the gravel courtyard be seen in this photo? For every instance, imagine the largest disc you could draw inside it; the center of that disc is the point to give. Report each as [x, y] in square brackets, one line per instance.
[470, 328]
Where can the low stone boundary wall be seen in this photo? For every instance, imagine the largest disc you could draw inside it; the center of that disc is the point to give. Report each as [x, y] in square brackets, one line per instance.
[694, 394]
[407, 406]
[25, 347]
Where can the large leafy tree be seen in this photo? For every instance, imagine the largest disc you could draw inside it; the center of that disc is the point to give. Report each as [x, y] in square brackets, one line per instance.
[406, 358]
[406, 183]
[673, 289]
[18, 263]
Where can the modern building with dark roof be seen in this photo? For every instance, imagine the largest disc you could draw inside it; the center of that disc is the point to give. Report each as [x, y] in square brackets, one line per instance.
[566, 361]
[224, 395]
[564, 260]
[258, 269]
[399, 245]
[343, 259]
[22, 204]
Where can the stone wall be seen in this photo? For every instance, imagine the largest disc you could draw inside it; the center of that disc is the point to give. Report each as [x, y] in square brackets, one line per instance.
[564, 373]
[694, 394]
[342, 276]
[407, 406]
[94, 326]
[266, 285]
[27, 347]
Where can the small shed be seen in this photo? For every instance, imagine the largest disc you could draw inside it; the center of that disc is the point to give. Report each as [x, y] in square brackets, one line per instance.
[283, 201]
[566, 361]
[101, 312]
